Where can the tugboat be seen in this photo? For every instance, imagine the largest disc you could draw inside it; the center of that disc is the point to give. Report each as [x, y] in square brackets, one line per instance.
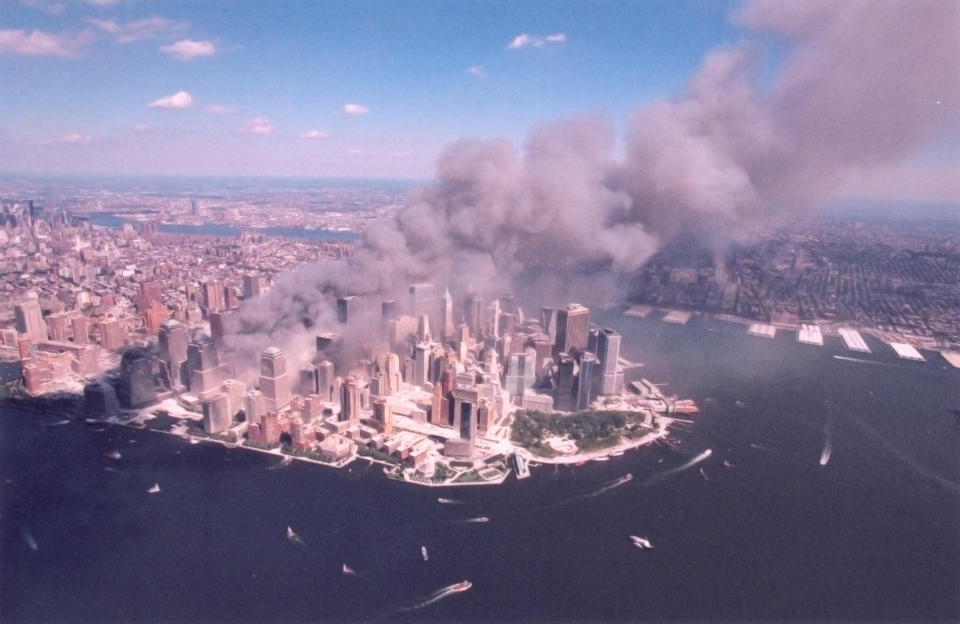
[641, 542]
[423, 553]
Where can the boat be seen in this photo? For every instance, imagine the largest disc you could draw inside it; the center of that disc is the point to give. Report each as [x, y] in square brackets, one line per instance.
[478, 519]
[112, 454]
[616, 453]
[523, 471]
[602, 458]
[625, 478]
[154, 489]
[348, 570]
[727, 465]
[423, 553]
[462, 586]
[290, 534]
[641, 542]
[446, 501]
[704, 475]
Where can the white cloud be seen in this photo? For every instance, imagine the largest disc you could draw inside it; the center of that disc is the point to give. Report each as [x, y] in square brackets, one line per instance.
[355, 109]
[139, 30]
[315, 134]
[478, 71]
[180, 99]
[76, 138]
[187, 49]
[219, 109]
[257, 125]
[39, 43]
[523, 40]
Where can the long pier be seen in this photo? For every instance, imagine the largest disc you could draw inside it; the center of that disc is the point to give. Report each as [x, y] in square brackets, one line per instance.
[810, 334]
[853, 341]
[762, 330]
[906, 352]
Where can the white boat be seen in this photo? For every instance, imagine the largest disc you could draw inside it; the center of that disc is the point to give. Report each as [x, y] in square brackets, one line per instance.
[154, 489]
[641, 542]
[616, 453]
[112, 454]
[290, 534]
[348, 570]
[462, 586]
[423, 553]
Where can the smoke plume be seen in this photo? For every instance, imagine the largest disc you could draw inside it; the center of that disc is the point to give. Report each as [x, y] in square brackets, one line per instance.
[857, 85]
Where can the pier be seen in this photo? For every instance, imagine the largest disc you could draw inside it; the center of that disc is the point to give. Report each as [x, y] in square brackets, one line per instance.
[638, 311]
[677, 317]
[762, 330]
[853, 341]
[952, 358]
[810, 334]
[905, 351]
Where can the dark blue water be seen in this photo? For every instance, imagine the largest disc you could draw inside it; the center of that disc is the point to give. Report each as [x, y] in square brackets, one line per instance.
[872, 536]
[215, 229]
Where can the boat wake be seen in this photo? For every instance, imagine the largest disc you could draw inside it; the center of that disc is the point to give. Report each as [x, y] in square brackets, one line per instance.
[296, 539]
[827, 441]
[477, 520]
[57, 423]
[286, 461]
[847, 358]
[436, 596]
[605, 487]
[657, 478]
[761, 447]
[28, 538]
[449, 501]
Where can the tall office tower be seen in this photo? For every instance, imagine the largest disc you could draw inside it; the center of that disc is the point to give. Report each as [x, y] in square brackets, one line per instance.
[326, 341]
[216, 318]
[347, 308]
[421, 365]
[446, 315]
[216, 414]
[100, 399]
[350, 401]
[204, 366]
[493, 318]
[589, 370]
[394, 378]
[465, 402]
[136, 379]
[270, 428]
[113, 334]
[29, 319]
[378, 386]
[592, 340]
[235, 390]
[309, 380]
[421, 299]
[155, 314]
[230, 298]
[81, 330]
[57, 327]
[521, 373]
[254, 286]
[149, 292]
[213, 298]
[507, 324]
[543, 347]
[608, 352]
[390, 309]
[473, 315]
[274, 382]
[325, 380]
[565, 397]
[383, 415]
[254, 406]
[573, 325]
[437, 417]
[423, 329]
[172, 343]
[507, 303]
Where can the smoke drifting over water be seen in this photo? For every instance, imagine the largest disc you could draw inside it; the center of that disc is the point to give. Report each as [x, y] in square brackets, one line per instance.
[861, 85]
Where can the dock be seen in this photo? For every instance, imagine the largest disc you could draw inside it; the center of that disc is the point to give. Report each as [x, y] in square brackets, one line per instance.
[952, 358]
[810, 334]
[762, 330]
[853, 341]
[905, 351]
[677, 317]
[523, 471]
[638, 311]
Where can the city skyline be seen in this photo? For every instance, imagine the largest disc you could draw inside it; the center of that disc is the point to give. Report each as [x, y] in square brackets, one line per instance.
[375, 90]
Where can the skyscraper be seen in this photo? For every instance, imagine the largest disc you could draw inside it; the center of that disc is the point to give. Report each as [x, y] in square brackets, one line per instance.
[473, 314]
[521, 373]
[585, 383]
[421, 365]
[29, 319]
[213, 298]
[172, 343]
[608, 352]
[136, 379]
[113, 334]
[394, 378]
[350, 401]
[274, 382]
[383, 415]
[346, 308]
[325, 380]
[203, 363]
[81, 330]
[564, 399]
[446, 315]
[309, 381]
[57, 327]
[573, 326]
[421, 299]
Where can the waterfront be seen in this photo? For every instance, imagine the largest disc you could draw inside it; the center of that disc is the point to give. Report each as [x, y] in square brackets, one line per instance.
[873, 535]
[217, 229]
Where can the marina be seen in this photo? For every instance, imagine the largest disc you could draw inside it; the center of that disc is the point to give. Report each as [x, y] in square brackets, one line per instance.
[905, 351]
[853, 341]
[810, 334]
[762, 330]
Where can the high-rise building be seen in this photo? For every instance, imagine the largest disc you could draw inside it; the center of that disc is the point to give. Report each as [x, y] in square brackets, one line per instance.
[473, 314]
[346, 308]
[438, 415]
[608, 353]
[29, 318]
[446, 315]
[383, 415]
[309, 380]
[216, 414]
[203, 364]
[325, 381]
[421, 365]
[394, 378]
[254, 406]
[57, 327]
[217, 330]
[423, 329]
[588, 373]
[113, 334]
[565, 397]
[465, 403]
[390, 309]
[254, 286]
[154, 315]
[350, 401]
[274, 382]
[213, 296]
[421, 299]
[548, 319]
[81, 329]
[573, 326]
[136, 379]
[172, 343]
[521, 373]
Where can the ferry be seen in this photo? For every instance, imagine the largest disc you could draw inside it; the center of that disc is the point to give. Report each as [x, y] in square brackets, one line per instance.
[423, 553]
[154, 489]
[641, 542]
[462, 586]
[112, 454]
[348, 570]
[523, 471]
[290, 534]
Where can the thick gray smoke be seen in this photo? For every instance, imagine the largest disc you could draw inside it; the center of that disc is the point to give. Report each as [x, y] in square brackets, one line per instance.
[862, 83]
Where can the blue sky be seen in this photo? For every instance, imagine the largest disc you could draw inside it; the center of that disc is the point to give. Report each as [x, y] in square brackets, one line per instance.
[79, 79]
